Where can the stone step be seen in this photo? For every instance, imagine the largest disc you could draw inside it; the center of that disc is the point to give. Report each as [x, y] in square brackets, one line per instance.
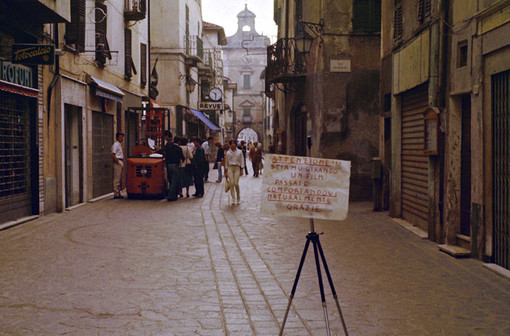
[455, 251]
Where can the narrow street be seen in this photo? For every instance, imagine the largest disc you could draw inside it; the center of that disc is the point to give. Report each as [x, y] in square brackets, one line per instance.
[202, 267]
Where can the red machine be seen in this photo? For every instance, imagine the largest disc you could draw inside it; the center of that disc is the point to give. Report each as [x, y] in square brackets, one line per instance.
[146, 175]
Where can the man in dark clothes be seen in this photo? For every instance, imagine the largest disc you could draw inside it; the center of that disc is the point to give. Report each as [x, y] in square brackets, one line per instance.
[243, 149]
[173, 157]
[198, 163]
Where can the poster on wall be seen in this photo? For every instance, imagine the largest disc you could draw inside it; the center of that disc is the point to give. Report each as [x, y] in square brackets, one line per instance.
[297, 186]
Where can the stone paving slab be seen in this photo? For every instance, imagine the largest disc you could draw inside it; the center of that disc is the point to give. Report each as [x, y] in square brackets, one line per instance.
[204, 267]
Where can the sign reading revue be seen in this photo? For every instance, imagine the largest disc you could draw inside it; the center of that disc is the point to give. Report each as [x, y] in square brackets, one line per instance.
[33, 53]
[297, 186]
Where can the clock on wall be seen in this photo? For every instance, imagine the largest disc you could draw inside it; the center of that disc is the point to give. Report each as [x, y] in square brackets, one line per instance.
[215, 94]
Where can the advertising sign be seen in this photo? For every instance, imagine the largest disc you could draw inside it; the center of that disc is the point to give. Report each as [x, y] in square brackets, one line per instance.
[33, 53]
[210, 106]
[297, 186]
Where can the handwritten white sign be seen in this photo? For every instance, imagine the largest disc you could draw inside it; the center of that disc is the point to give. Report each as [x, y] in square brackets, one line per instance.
[297, 186]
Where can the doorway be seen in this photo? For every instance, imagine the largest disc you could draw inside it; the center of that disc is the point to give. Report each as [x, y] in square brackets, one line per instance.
[73, 155]
[102, 141]
[465, 167]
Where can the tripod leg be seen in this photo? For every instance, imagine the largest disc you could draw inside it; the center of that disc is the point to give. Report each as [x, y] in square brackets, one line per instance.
[315, 241]
[330, 280]
[303, 256]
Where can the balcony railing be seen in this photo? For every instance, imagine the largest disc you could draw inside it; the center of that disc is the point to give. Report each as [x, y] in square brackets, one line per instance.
[284, 62]
[135, 10]
[194, 47]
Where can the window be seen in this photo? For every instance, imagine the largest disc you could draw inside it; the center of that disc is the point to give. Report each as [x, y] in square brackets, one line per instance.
[367, 16]
[423, 10]
[247, 82]
[246, 111]
[143, 64]
[397, 22]
[462, 54]
[75, 30]
[102, 47]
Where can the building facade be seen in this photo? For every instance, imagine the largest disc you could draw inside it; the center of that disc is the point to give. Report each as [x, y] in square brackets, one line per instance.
[93, 91]
[244, 64]
[22, 108]
[444, 94]
[326, 94]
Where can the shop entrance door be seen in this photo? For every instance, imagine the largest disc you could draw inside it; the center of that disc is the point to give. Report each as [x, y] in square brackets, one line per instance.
[102, 165]
[73, 156]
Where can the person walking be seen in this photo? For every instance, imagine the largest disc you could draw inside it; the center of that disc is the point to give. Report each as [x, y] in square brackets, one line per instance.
[257, 158]
[118, 164]
[208, 150]
[219, 160]
[244, 149]
[199, 162]
[234, 167]
[185, 168]
[173, 157]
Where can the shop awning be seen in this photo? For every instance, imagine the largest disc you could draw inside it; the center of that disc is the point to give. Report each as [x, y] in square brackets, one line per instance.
[106, 90]
[205, 120]
[18, 89]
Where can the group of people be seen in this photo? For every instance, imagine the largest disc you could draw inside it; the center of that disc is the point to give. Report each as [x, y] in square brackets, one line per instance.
[188, 163]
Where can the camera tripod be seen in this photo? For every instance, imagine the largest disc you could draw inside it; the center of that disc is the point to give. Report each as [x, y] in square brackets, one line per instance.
[313, 237]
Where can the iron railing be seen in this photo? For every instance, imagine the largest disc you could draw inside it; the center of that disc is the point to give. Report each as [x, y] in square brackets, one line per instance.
[284, 62]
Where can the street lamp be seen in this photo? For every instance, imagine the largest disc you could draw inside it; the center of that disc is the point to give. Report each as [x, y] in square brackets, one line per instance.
[303, 41]
[190, 84]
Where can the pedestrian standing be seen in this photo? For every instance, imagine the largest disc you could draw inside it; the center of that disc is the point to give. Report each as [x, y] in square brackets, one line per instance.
[244, 149]
[219, 160]
[234, 166]
[118, 164]
[173, 157]
[199, 162]
[185, 170]
[208, 150]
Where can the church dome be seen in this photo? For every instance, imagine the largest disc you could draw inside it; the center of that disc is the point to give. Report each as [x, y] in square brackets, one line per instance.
[245, 13]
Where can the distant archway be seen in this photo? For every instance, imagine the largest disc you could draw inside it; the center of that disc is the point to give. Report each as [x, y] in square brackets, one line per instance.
[249, 135]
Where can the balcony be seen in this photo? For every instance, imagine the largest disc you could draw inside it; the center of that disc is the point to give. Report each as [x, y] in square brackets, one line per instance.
[193, 50]
[205, 69]
[135, 10]
[284, 62]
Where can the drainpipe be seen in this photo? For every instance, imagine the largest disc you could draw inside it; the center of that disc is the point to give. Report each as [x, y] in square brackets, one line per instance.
[56, 75]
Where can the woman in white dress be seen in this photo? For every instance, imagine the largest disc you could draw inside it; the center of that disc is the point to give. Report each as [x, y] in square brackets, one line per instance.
[234, 165]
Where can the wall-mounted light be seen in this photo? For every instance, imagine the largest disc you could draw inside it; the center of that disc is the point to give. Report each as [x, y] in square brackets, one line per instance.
[188, 81]
[303, 38]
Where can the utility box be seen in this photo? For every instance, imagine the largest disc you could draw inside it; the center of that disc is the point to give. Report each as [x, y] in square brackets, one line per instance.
[146, 178]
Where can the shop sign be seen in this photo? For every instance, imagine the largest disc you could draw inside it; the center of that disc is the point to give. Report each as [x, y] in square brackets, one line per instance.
[24, 53]
[16, 74]
[210, 106]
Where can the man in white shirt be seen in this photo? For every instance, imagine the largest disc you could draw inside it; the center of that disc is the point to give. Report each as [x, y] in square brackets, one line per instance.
[118, 164]
[208, 149]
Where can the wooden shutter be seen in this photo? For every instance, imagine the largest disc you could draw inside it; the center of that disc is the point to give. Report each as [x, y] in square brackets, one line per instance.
[367, 16]
[423, 10]
[397, 22]
[142, 6]
[102, 47]
[299, 15]
[75, 30]
[127, 54]
[143, 64]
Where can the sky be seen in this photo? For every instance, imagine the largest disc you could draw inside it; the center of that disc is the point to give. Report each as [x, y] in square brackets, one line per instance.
[224, 13]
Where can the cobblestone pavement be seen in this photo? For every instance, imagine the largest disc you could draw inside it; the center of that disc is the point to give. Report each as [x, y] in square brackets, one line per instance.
[203, 267]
